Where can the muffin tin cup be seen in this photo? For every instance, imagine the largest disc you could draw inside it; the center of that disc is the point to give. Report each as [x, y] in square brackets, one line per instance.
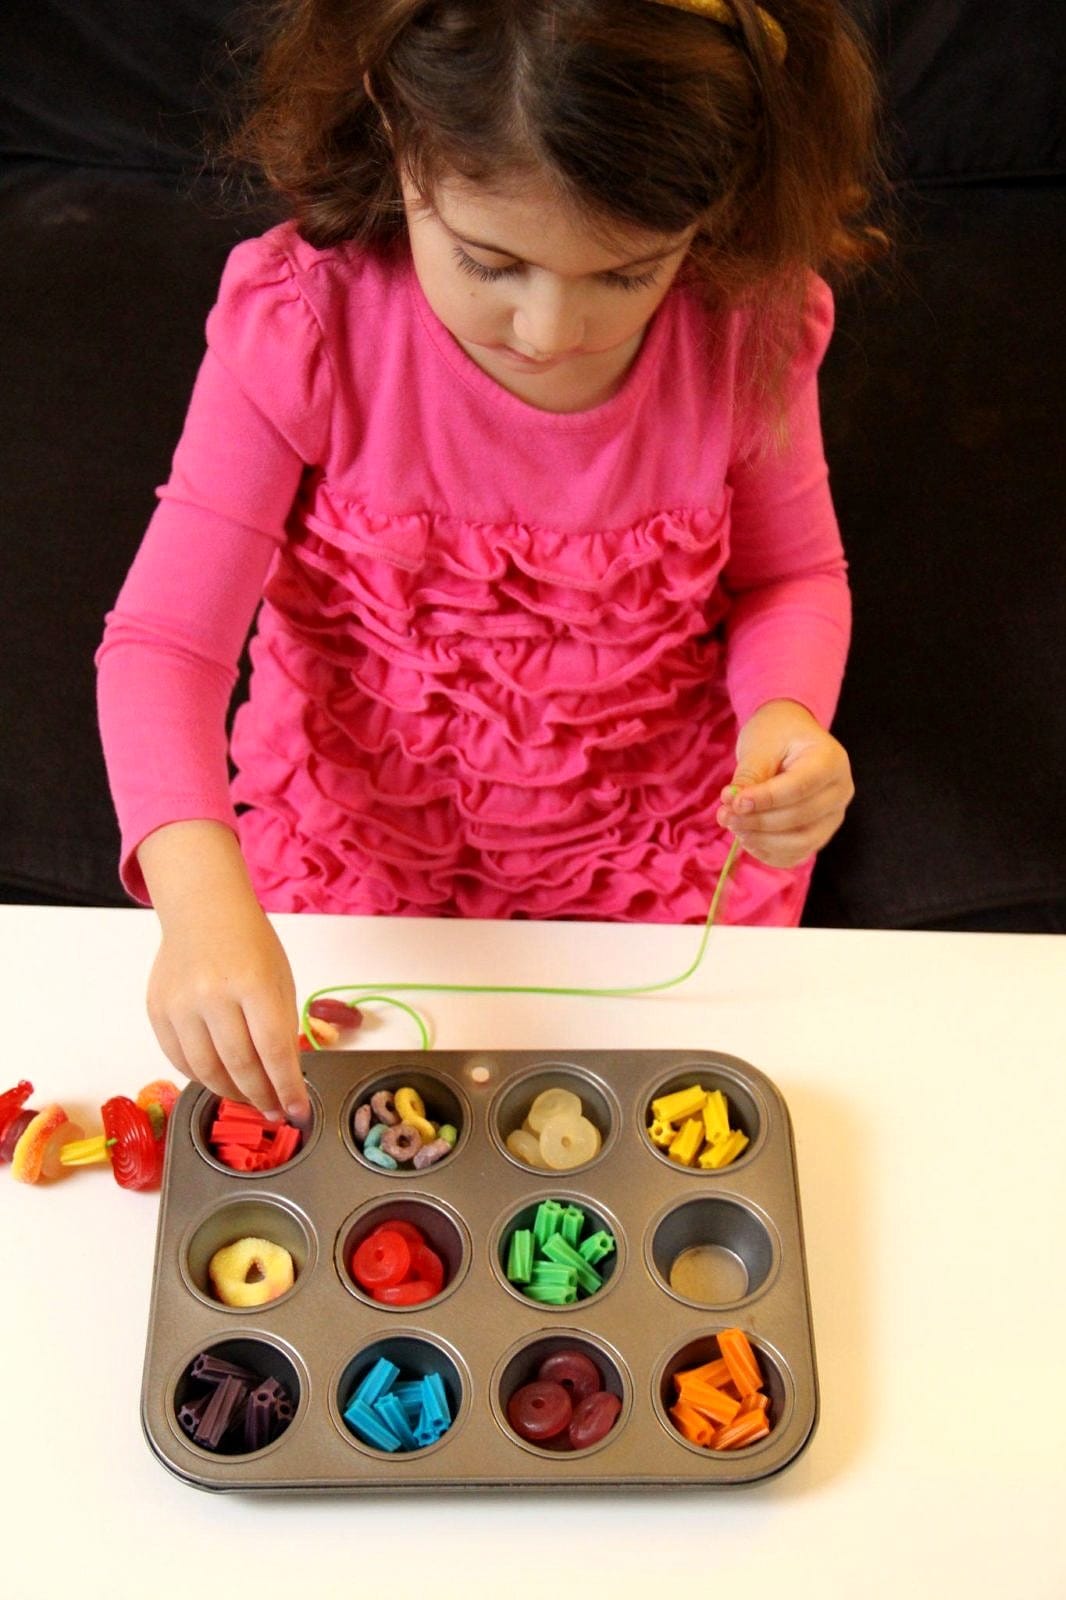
[598, 1103]
[443, 1229]
[444, 1100]
[642, 1329]
[203, 1113]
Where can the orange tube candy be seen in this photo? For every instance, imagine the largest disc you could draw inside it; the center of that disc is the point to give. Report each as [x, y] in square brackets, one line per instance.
[739, 1357]
[708, 1401]
[696, 1429]
[743, 1430]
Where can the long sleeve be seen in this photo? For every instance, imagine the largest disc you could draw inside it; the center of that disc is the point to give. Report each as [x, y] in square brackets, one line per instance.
[790, 618]
[168, 660]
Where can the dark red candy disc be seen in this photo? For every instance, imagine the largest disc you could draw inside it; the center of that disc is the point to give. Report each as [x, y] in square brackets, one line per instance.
[539, 1411]
[593, 1419]
[574, 1370]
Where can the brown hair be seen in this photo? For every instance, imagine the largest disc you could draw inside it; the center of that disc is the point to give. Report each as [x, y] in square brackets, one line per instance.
[641, 114]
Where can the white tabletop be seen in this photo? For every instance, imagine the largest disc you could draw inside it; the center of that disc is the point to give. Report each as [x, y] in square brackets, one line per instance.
[925, 1078]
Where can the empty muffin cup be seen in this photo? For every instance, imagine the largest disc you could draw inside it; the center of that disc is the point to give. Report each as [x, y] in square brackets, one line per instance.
[589, 1413]
[250, 1217]
[578, 1117]
[399, 1395]
[712, 1251]
[444, 1236]
[558, 1252]
[409, 1136]
[236, 1397]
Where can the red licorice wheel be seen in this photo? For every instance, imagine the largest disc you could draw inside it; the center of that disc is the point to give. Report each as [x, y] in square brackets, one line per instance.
[593, 1419]
[539, 1411]
[406, 1230]
[574, 1370]
[382, 1260]
[136, 1154]
[427, 1266]
[412, 1292]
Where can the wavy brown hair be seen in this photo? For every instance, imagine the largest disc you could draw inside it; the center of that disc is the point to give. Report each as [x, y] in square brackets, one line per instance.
[639, 114]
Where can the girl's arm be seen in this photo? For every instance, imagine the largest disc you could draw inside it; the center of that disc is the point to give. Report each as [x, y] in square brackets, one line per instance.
[788, 630]
[221, 996]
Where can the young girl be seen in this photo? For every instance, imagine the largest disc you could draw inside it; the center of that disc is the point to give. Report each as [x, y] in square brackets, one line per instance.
[513, 430]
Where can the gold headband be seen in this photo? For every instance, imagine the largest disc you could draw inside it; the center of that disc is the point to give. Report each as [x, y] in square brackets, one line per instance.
[719, 11]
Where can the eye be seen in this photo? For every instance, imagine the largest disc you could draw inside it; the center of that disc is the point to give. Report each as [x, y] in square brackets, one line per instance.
[619, 280]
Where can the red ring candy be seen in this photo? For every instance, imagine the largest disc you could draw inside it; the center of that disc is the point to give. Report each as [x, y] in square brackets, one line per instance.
[383, 1259]
[538, 1411]
[574, 1370]
[136, 1154]
[412, 1292]
[427, 1265]
[593, 1419]
[406, 1230]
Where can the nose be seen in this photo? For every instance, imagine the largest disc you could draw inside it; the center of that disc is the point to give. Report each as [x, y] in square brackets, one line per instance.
[548, 320]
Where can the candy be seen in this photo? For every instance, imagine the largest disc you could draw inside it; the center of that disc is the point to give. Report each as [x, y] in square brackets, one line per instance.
[383, 1258]
[411, 1108]
[36, 1153]
[250, 1272]
[404, 1415]
[237, 1409]
[136, 1154]
[11, 1103]
[402, 1142]
[396, 1265]
[361, 1121]
[593, 1419]
[552, 1103]
[568, 1141]
[384, 1108]
[430, 1153]
[721, 1404]
[692, 1126]
[539, 1410]
[542, 1262]
[574, 1370]
[525, 1146]
[325, 1034]
[248, 1141]
[381, 1158]
[339, 1012]
[13, 1131]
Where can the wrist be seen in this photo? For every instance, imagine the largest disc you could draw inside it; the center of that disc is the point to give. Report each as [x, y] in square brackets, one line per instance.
[193, 869]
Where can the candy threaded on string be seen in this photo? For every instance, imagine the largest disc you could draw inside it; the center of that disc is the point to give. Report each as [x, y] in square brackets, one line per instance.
[385, 993]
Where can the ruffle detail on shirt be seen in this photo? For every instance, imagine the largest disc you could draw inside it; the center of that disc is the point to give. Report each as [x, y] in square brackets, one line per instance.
[486, 719]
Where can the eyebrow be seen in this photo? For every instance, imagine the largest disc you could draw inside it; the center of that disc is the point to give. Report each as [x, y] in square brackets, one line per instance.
[498, 250]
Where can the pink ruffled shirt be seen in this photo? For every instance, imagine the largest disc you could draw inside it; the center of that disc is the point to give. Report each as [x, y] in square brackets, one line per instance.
[502, 653]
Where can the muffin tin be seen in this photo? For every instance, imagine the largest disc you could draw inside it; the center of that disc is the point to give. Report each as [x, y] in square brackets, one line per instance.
[730, 1240]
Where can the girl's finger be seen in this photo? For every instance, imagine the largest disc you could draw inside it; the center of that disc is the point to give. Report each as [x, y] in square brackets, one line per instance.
[205, 1064]
[788, 819]
[274, 1039]
[240, 1059]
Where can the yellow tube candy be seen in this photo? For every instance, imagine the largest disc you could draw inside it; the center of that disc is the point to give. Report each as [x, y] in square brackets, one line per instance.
[688, 1142]
[721, 1154]
[676, 1107]
[662, 1133]
[716, 1117]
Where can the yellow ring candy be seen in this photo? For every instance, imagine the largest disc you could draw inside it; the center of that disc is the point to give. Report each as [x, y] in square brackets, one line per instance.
[412, 1110]
[229, 1267]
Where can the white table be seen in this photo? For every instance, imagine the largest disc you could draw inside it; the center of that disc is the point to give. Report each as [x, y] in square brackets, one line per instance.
[925, 1077]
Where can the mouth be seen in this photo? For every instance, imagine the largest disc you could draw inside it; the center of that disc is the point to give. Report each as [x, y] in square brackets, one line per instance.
[525, 361]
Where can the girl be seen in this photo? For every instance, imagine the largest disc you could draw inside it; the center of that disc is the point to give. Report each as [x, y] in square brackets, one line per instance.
[513, 430]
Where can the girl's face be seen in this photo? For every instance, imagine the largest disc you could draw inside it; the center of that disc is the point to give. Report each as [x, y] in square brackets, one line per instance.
[536, 300]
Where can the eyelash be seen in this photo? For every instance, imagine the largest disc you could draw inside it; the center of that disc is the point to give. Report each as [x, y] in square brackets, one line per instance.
[642, 280]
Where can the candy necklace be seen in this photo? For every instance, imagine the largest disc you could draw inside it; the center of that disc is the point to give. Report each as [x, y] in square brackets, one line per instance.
[385, 993]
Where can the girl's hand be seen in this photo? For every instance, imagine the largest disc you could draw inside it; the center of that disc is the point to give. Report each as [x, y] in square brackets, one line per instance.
[221, 996]
[791, 786]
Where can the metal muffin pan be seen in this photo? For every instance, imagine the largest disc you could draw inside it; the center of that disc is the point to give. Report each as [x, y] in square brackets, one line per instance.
[480, 1333]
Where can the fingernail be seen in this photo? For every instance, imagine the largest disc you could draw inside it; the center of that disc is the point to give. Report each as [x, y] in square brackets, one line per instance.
[745, 804]
[299, 1111]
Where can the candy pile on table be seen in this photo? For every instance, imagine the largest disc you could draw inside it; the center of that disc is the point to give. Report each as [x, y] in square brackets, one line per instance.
[392, 1130]
[566, 1406]
[556, 1135]
[551, 1262]
[230, 1408]
[41, 1145]
[692, 1126]
[393, 1413]
[397, 1266]
[245, 1140]
[721, 1405]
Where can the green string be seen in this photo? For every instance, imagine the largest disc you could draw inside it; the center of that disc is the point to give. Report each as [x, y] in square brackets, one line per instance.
[384, 993]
